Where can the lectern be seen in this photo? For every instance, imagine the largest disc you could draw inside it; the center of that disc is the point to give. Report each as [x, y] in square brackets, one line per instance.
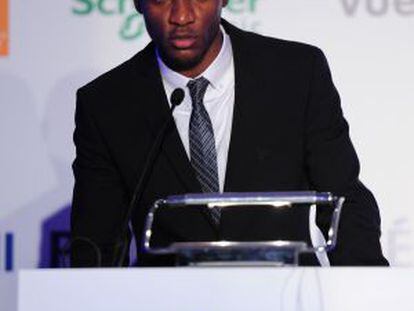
[277, 252]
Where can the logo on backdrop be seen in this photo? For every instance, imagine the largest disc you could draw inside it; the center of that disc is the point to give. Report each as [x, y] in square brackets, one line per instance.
[378, 8]
[132, 25]
[4, 28]
[245, 13]
[7, 253]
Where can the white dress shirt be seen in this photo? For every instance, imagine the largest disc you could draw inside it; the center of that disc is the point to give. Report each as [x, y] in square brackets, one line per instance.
[218, 101]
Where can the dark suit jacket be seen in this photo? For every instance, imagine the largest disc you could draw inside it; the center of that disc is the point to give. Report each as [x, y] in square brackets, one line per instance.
[288, 133]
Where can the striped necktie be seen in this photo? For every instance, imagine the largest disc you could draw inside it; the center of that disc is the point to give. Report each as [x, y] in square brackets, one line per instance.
[202, 144]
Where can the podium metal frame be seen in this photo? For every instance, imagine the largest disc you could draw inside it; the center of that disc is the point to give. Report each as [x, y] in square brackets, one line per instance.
[225, 253]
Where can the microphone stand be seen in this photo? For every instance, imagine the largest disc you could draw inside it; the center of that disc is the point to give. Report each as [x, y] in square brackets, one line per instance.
[177, 97]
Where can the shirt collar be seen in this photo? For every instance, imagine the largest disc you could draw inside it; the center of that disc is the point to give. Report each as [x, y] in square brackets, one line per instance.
[213, 73]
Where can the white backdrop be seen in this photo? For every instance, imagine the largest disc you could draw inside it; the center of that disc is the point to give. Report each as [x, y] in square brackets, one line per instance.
[57, 46]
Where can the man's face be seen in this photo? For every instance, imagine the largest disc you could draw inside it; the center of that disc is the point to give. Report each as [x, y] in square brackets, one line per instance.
[186, 32]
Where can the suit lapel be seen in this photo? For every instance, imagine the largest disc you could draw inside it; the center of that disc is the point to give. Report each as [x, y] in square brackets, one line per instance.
[247, 89]
[156, 109]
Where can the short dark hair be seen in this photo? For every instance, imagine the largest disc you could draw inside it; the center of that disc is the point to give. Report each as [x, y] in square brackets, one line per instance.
[137, 4]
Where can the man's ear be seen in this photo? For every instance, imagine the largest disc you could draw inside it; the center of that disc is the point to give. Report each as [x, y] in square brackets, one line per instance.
[138, 6]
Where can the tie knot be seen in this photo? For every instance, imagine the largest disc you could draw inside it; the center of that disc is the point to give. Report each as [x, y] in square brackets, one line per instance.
[197, 89]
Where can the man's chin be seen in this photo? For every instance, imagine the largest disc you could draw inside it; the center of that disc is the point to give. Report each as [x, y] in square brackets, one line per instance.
[182, 61]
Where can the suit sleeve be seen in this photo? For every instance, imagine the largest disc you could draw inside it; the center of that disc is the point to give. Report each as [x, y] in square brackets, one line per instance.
[332, 165]
[99, 200]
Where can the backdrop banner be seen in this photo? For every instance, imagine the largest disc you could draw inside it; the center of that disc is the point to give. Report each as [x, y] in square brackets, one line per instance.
[51, 48]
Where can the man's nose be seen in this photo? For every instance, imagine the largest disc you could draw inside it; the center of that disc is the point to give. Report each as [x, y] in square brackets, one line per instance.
[182, 12]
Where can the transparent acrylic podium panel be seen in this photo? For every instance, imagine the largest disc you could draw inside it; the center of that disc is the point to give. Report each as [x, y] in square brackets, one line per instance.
[285, 210]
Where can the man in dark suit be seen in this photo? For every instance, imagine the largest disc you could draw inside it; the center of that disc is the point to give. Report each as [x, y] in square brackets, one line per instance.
[282, 129]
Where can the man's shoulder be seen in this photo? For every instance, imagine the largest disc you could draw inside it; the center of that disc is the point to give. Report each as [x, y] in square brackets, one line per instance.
[265, 48]
[263, 44]
[117, 79]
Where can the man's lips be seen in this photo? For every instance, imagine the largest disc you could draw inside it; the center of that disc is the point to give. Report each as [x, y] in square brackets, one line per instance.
[183, 42]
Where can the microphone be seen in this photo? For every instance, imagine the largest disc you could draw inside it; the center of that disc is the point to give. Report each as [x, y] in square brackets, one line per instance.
[176, 99]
